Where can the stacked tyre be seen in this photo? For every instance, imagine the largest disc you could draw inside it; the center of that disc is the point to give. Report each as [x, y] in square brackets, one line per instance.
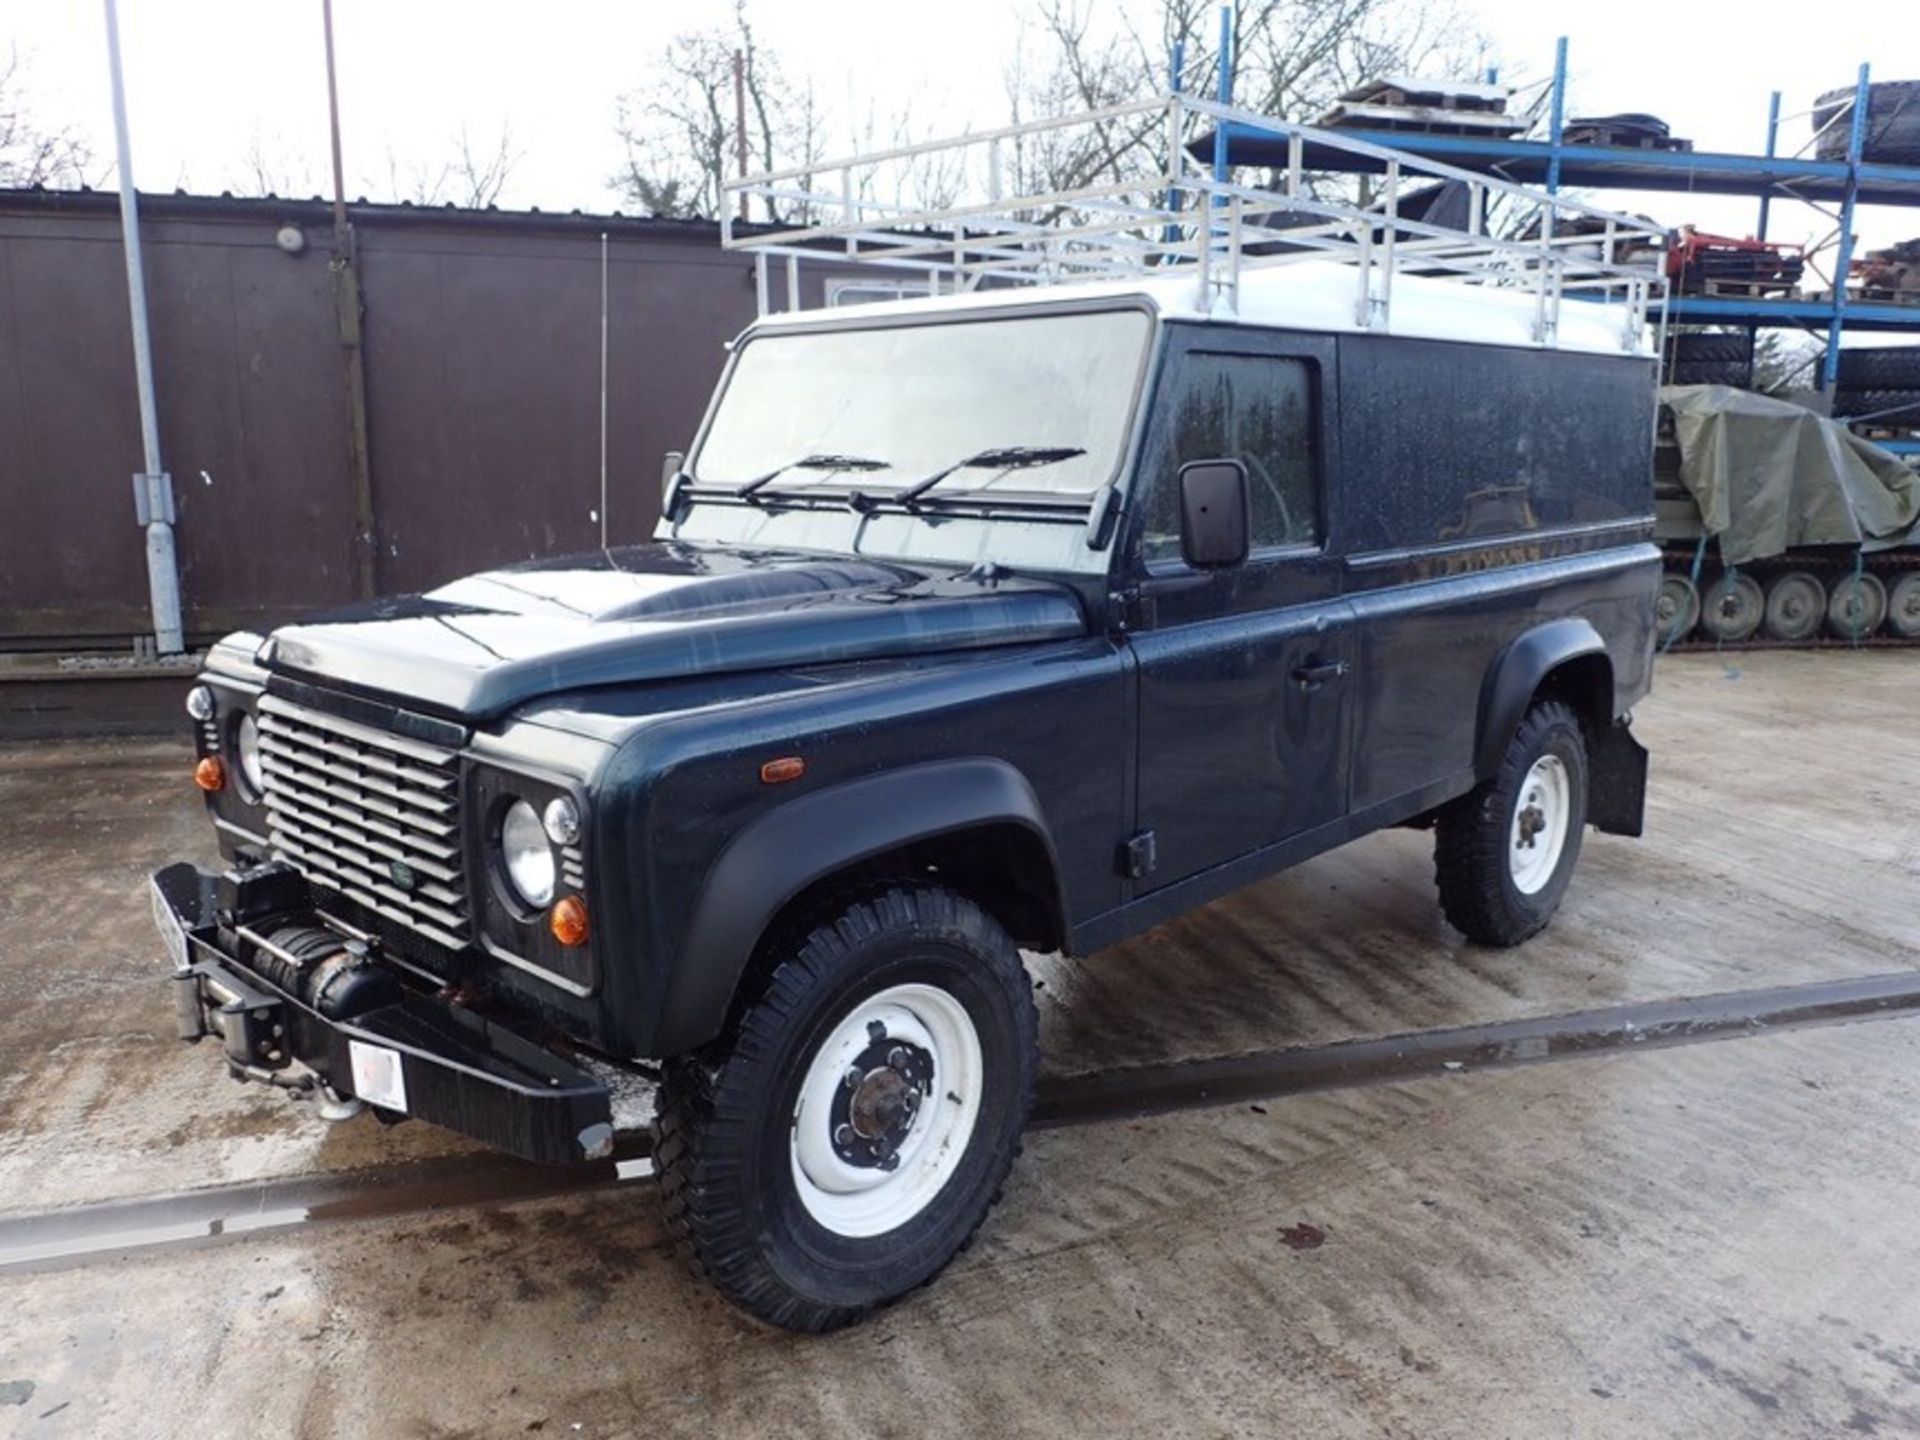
[1892, 132]
[1880, 387]
[1710, 357]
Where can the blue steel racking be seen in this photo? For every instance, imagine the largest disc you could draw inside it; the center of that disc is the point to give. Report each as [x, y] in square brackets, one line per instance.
[1848, 183]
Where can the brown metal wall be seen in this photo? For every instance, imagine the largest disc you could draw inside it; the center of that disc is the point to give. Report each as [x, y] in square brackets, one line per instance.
[482, 355]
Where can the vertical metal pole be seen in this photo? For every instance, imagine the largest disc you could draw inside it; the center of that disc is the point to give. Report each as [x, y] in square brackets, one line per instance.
[1556, 116]
[1856, 141]
[1773, 142]
[604, 308]
[1176, 67]
[153, 489]
[1223, 92]
[347, 307]
[740, 124]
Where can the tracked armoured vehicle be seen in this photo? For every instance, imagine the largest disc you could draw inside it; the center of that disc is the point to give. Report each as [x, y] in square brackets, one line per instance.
[1778, 526]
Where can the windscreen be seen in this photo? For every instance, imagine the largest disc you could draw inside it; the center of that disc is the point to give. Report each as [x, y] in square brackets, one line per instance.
[901, 403]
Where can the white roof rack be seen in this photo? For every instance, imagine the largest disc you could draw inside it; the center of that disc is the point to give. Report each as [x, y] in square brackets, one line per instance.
[1158, 211]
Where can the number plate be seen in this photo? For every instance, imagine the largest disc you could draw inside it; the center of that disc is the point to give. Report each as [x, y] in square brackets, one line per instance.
[172, 933]
[379, 1077]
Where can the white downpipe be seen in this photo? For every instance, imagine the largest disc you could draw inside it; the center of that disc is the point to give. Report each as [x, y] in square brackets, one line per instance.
[153, 489]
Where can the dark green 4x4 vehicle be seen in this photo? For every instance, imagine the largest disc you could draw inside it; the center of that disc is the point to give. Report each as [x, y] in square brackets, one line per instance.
[1023, 620]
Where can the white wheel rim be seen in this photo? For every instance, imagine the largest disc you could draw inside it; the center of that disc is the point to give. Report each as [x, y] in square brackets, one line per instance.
[1538, 832]
[866, 1198]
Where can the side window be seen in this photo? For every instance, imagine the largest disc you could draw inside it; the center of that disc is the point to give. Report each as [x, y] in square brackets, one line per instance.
[1250, 408]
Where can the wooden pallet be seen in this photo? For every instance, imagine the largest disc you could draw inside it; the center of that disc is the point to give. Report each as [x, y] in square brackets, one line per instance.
[1422, 120]
[1624, 139]
[1740, 289]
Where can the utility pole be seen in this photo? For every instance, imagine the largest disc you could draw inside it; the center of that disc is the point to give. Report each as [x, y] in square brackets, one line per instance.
[347, 308]
[153, 488]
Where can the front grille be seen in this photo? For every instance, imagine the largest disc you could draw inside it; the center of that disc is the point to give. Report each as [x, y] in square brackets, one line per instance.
[353, 807]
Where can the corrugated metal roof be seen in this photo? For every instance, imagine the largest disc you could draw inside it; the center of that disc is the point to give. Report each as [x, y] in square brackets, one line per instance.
[315, 210]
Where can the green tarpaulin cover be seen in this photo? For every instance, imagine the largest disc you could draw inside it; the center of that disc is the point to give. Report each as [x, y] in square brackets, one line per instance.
[1768, 476]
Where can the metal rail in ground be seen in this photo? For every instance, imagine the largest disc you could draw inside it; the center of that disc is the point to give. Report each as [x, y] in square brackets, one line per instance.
[60, 1239]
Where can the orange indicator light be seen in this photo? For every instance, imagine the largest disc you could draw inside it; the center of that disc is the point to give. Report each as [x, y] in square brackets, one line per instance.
[778, 772]
[568, 921]
[210, 775]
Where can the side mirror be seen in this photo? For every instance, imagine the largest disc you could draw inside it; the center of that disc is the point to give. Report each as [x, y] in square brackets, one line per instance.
[671, 478]
[1214, 513]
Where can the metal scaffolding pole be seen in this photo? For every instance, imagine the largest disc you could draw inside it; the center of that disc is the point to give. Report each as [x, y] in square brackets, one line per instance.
[152, 488]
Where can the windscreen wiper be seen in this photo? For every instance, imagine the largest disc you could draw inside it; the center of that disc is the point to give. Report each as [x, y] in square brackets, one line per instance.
[1004, 457]
[809, 462]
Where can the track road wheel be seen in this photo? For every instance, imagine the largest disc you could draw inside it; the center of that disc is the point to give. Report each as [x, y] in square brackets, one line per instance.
[1505, 852]
[1676, 609]
[1796, 604]
[1903, 606]
[845, 1137]
[1732, 608]
[1857, 606]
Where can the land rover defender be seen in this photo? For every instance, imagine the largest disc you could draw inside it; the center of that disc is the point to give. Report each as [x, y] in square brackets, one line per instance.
[1018, 619]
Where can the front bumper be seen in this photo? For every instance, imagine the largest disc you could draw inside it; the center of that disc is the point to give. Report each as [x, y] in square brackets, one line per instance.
[409, 1053]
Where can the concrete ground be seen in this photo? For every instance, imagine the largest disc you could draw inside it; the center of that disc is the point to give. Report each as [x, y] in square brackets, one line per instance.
[1710, 1238]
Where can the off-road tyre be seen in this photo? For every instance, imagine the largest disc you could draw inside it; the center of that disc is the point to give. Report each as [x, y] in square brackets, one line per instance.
[1892, 408]
[1892, 132]
[725, 1143]
[1737, 373]
[1894, 368]
[1698, 346]
[1475, 834]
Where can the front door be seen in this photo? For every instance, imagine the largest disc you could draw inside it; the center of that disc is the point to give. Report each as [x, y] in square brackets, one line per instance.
[1243, 672]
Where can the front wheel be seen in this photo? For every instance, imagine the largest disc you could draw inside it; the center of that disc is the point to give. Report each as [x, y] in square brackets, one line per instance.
[847, 1135]
[1504, 853]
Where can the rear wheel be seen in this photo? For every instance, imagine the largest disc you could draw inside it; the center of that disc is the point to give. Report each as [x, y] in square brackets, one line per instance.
[847, 1135]
[1857, 606]
[1903, 606]
[1732, 608]
[1796, 604]
[1504, 853]
[1676, 609]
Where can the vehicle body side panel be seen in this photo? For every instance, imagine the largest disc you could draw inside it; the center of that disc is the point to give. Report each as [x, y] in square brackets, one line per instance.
[795, 844]
[681, 790]
[1426, 650]
[1487, 492]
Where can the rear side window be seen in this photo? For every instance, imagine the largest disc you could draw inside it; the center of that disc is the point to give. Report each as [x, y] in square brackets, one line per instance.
[1250, 408]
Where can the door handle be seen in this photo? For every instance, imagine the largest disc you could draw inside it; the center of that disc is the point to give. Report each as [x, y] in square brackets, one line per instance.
[1316, 673]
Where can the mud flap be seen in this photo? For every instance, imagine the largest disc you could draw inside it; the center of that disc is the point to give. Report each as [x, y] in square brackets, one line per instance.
[1617, 782]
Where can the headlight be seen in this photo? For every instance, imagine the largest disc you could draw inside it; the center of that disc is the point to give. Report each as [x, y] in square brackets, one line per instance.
[528, 857]
[200, 703]
[562, 821]
[246, 744]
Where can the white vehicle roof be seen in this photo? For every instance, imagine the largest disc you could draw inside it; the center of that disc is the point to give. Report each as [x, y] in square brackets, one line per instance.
[1311, 295]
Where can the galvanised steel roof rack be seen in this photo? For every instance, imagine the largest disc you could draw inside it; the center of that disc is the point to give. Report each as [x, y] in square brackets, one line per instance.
[1160, 201]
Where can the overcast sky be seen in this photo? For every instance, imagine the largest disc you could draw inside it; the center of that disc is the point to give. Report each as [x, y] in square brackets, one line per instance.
[211, 81]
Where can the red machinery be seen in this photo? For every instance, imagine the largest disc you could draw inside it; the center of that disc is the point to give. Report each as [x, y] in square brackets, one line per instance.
[1702, 264]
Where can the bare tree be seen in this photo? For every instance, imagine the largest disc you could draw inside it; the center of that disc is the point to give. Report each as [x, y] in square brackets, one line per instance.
[265, 166]
[678, 127]
[472, 177]
[1288, 58]
[479, 175]
[31, 156]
